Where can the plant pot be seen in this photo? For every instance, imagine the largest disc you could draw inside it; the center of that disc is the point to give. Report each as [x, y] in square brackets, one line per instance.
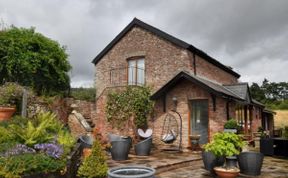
[210, 161]
[120, 150]
[86, 141]
[250, 163]
[226, 173]
[231, 162]
[6, 113]
[143, 148]
[231, 130]
[131, 172]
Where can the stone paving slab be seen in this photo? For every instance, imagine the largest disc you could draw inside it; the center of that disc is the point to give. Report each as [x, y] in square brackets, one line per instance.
[159, 160]
[190, 164]
[272, 168]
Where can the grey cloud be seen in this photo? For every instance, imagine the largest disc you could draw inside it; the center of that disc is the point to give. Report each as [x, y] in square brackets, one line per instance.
[250, 36]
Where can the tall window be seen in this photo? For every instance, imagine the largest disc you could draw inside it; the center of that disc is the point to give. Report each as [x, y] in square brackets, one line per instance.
[136, 71]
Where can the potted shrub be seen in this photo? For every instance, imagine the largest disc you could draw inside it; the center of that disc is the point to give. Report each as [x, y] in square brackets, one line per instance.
[95, 164]
[231, 126]
[10, 94]
[226, 144]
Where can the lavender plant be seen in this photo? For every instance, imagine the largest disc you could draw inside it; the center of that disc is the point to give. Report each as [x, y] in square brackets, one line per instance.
[19, 149]
[51, 149]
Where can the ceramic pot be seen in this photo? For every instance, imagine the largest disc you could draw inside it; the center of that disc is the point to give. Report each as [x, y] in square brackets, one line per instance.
[6, 113]
[226, 173]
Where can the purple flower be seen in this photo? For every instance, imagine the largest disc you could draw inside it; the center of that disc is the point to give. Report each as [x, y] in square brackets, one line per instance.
[19, 149]
[51, 149]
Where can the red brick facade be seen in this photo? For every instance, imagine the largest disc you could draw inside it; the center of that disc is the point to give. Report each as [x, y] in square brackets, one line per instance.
[163, 60]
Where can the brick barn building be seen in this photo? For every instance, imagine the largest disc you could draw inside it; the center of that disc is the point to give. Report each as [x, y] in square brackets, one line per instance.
[207, 93]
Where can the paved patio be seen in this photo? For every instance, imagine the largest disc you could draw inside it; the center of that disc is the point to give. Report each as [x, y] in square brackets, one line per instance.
[189, 164]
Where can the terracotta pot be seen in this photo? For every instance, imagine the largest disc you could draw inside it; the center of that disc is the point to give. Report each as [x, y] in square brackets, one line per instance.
[226, 173]
[87, 152]
[6, 113]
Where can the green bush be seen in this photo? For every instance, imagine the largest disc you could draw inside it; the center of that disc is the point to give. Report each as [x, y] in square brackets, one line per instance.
[65, 139]
[14, 166]
[225, 144]
[231, 124]
[94, 166]
[87, 94]
[40, 130]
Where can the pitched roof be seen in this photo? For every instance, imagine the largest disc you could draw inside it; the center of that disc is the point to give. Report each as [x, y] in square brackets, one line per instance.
[241, 89]
[212, 87]
[166, 36]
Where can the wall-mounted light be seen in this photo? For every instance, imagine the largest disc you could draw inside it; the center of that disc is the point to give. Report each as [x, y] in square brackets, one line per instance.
[174, 99]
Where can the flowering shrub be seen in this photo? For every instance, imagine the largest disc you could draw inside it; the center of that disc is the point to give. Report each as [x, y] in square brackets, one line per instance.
[51, 149]
[19, 149]
[33, 145]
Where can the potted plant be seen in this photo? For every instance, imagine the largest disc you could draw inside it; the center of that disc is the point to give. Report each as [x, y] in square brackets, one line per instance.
[228, 145]
[231, 126]
[10, 93]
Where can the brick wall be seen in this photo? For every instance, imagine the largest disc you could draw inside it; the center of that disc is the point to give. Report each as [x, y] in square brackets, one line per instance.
[163, 60]
[216, 118]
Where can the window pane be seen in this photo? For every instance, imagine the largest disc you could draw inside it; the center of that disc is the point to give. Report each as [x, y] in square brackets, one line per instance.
[131, 72]
[140, 72]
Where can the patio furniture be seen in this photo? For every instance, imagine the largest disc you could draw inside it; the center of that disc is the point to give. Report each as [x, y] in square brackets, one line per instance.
[120, 149]
[148, 133]
[194, 140]
[250, 163]
[274, 146]
[131, 172]
[170, 130]
[143, 148]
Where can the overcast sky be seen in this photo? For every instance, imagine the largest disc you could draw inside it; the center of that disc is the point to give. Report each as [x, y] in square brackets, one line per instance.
[250, 36]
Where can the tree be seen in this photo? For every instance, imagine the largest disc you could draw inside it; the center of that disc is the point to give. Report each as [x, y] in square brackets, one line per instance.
[257, 92]
[31, 59]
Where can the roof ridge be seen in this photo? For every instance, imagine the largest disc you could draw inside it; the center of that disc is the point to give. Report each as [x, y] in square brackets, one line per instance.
[167, 37]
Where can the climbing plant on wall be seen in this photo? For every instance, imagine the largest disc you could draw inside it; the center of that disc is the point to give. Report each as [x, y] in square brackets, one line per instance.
[133, 102]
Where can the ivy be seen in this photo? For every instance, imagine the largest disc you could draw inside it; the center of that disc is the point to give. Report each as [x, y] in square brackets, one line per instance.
[133, 102]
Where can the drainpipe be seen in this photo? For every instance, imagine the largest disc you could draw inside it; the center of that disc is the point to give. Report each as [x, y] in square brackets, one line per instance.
[194, 64]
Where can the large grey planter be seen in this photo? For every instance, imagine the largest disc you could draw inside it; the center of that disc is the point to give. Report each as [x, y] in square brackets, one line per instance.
[143, 148]
[86, 141]
[131, 172]
[120, 150]
[250, 163]
[210, 161]
[114, 137]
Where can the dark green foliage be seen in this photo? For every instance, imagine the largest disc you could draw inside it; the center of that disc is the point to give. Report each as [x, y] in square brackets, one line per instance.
[94, 166]
[231, 124]
[10, 94]
[38, 130]
[87, 94]
[273, 95]
[133, 102]
[225, 144]
[14, 166]
[31, 59]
